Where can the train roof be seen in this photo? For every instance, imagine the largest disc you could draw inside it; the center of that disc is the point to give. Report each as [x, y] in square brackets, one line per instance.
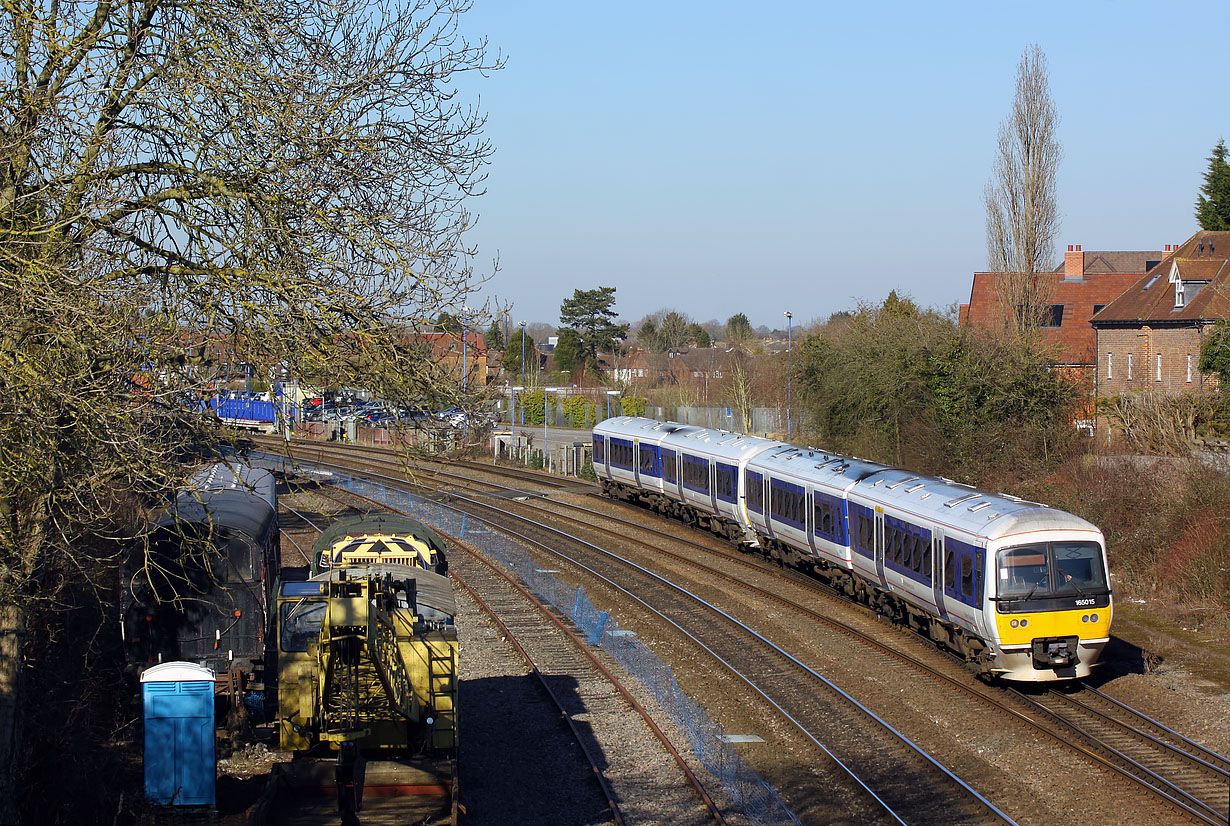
[233, 497]
[378, 524]
[638, 427]
[673, 434]
[978, 512]
[816, 465]
[431, 589]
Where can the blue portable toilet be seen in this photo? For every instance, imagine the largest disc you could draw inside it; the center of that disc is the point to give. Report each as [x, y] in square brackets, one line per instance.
[179, 734]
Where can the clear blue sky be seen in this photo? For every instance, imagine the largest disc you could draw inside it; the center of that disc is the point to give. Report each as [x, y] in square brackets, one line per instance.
[717, 158]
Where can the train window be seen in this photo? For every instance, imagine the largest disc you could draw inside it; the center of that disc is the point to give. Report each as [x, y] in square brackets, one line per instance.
[301, 624]
[1078, 565]
[668, 466]
[755, 492]
[917, 562]
[926, 564]
[240, 554]
[866, 532]
[1023, 570]
[598, 449]
[894, 542]
[949, 569]
[967, 575]
[649, 460]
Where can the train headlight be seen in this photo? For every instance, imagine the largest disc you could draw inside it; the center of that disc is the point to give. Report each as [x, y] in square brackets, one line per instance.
[1024, 622]
[1093, 617]
[1014, 623]
[1085, 618]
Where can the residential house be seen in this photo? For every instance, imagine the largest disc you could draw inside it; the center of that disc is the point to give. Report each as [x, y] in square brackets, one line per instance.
[1081, 286]
[1149, 338]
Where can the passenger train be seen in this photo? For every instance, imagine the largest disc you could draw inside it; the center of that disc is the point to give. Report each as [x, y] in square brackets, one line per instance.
[1018, 589]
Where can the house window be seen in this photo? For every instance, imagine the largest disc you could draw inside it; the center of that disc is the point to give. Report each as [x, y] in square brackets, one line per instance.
[1189, 367]
[1159, 366]
[1110, 366]
[1129, 366]
[1097, 308]
[1178, 294]
[1053, 317]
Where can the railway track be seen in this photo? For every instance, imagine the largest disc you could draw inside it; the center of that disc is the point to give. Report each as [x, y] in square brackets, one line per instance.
[1193, 777]
[1173, 768]
[556, 657]
[1175, 771]
[905, 783]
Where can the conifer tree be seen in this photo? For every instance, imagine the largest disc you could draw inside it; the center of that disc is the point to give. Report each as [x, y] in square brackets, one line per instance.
[1213, 204]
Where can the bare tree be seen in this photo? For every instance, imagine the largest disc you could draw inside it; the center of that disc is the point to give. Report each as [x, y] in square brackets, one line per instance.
[284, 183]
[1021, 205]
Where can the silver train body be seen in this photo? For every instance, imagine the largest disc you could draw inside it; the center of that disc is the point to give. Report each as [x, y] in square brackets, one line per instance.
[1018, 589]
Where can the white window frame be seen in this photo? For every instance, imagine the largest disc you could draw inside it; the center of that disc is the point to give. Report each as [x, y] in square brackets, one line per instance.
[1110, 365]
[1129, 377]
[1189, 368]
[1159, 366]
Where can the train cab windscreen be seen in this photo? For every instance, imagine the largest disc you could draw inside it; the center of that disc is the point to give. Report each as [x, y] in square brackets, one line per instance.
[1046, 569]
[301, 623]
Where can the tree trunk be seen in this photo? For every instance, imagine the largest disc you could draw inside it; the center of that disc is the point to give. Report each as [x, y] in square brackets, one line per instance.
[11, 634]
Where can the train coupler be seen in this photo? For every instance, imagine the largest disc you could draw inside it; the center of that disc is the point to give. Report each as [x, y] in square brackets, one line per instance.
[1055, 652]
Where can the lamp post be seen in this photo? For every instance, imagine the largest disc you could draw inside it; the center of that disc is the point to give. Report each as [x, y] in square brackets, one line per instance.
[523, 372]
[789, 377]
[544, 428]
[464, 375]
[610, 393]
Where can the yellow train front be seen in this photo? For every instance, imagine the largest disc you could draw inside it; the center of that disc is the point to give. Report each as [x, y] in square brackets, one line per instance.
[1049, 608]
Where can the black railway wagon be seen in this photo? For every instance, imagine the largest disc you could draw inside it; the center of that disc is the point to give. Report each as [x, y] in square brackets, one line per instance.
[203, 593]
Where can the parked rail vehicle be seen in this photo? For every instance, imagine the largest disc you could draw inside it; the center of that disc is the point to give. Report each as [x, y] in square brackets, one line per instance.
[376, 538]
[1018, 589]
[203, 591]
[367, 647]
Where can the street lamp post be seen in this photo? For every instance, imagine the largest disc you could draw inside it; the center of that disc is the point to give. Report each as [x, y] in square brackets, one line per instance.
[464, 375]
[523, 371]
[789, 373]
[610, 393]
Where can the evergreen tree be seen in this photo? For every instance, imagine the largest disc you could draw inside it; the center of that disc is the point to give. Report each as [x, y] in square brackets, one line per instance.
[738, 328]
[495, 336]
[569, 352]
[590, 313]
[698, 335]
[1213, 204]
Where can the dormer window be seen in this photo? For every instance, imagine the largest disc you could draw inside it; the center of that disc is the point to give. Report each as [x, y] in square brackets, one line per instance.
[1178, 294]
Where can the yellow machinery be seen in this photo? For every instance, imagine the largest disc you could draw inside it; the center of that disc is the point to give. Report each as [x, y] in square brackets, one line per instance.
[379, 538]
[367, 655]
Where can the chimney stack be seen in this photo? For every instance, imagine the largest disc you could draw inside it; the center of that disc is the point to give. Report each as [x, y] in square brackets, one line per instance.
[1073, 264]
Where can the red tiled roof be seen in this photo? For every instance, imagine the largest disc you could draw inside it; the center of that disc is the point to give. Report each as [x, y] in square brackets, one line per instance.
[1074, 341]
[1202, 263]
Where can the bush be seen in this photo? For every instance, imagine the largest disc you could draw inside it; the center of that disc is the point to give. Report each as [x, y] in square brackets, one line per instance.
[632, 406]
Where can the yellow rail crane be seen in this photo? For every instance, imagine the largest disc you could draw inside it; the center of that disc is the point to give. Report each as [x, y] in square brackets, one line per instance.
[367, 676]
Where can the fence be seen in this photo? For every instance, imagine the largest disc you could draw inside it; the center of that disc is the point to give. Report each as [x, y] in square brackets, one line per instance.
[758, 801]
[763, 419]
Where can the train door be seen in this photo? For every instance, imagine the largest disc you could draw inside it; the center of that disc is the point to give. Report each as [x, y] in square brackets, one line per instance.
[636, 461]
[713, 500]
[810, 520]
[937, 570]
[879, 540]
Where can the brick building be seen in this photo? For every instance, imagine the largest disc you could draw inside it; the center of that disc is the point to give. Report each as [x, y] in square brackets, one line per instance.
[1078, 288]
[1149, 338]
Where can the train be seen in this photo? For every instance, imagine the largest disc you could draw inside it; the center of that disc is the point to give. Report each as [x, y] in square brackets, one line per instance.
[1019, 590]
[201, 589]
[367, 665]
